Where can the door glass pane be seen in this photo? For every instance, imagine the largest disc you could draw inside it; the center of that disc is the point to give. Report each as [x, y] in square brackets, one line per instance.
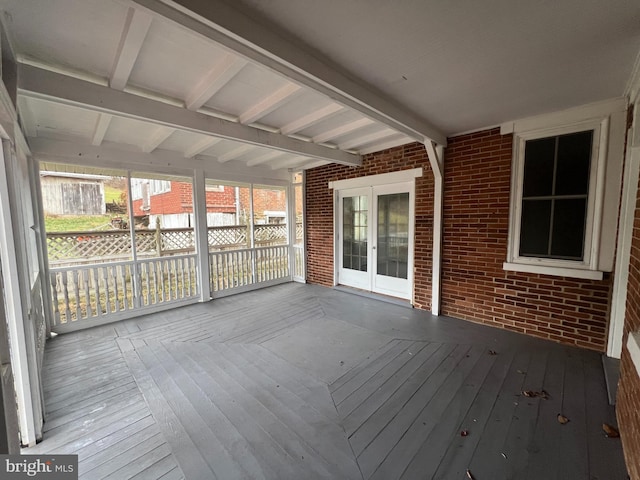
[393, 235]
[354, 237]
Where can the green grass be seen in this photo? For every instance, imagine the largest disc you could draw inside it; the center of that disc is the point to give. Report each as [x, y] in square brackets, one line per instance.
[112, 194]
[76, 223]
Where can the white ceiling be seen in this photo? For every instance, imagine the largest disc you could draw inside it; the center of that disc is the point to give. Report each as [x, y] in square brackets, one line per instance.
[225, 83]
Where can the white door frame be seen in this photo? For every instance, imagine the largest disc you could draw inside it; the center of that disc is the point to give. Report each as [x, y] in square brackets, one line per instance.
[403, 176]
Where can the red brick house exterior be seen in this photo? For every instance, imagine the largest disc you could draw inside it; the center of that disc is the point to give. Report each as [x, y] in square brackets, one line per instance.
[476, 216]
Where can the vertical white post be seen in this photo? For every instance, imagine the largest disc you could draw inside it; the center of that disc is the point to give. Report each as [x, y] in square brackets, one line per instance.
[137, 287]
[291, 223]
[16, 316]
[625, 238]
[251, 234]
[435, 153]
[201, 233]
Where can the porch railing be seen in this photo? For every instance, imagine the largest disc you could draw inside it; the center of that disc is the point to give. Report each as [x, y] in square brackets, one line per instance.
[231, 270]
[90, 291]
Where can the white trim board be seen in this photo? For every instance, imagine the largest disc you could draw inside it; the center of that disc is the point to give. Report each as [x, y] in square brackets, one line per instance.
[380, 179]
[556, 271]
[633, 345]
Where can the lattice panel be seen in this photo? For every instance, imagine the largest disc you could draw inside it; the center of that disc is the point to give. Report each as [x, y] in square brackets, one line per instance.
[227, 236]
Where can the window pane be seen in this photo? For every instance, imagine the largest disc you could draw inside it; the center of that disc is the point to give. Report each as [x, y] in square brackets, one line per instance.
[228, 212]
[534, 228]
[568, 228]
[538, 167]
[574, 159]
[354, 227]
[270, 216]
[393, 235]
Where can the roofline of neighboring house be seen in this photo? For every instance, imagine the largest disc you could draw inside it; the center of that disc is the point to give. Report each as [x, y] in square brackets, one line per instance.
[85, 176]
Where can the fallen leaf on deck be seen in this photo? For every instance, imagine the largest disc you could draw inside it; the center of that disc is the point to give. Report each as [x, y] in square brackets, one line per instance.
[492, 352]
[464, 433]
[610, 431]
[469, 474]
[562, 419]
[521, 372]
[530, 393]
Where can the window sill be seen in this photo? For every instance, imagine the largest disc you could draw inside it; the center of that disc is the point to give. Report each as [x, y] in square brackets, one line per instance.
[554, 271]
[633, 345]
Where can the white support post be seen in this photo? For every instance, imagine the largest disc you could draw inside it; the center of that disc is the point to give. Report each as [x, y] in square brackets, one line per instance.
[201, 233]
[137, 290]
[291, 231]
[436, 153]
[16, 315]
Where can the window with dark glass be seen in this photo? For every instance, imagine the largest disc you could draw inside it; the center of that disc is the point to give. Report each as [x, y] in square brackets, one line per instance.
[555, 196]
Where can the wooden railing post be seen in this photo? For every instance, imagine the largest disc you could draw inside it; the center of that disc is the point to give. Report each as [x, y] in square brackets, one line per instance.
[158, 237]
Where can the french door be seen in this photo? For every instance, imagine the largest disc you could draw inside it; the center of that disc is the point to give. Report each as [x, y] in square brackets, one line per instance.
[375, 238]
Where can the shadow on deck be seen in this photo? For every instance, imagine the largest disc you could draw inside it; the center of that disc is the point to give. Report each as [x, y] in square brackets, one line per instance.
[300, 381]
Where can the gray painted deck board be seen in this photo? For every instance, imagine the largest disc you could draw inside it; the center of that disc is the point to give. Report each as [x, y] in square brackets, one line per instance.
[299, 381]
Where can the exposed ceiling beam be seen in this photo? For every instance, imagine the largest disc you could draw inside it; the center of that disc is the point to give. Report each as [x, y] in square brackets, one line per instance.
[317, 163]
[235, 153]
[213, 81]
[133, 34]
[220, 22]
[264, 158]
[269, 103]
[311, 119]
[99, 131]
[156, 139]
[342, 130]
[114, 156]
[38, 83]
[201, 146]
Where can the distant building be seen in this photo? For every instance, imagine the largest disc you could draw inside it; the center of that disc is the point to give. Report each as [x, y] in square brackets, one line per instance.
[72, 193]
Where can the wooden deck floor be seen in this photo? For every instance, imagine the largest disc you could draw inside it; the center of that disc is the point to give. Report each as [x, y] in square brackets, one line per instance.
[299, 381]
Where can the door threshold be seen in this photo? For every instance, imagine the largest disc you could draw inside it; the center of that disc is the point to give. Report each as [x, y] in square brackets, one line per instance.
[374, 296]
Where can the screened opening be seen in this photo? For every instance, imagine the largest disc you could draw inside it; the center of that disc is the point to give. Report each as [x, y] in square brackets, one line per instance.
[555, 195]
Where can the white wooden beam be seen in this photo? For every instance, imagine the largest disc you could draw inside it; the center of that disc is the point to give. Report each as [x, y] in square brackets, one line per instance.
[314, 164]
[28, 119]
[213, 81]
[133, 34]
[234, 153]
[382, 134]
[265, 157]
[201, 146]
[436, 159]
[342, 130]
[269, 103]
[384, 145]
[99, 131]
[264, 44]
[156, 139]
[39, 83]
[110, 156]
[311, 119]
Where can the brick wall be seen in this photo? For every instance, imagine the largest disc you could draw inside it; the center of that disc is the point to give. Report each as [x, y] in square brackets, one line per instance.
[476, 206]
[180, 200]
[628, 401]
[319, 227]
[476, 223]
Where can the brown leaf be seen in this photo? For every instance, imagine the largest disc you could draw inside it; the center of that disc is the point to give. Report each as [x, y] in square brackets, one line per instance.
[528, 393]
[492, 352]
[544, 394]
[464, 433]
[610, 431]
[469, 474]
[562, 419]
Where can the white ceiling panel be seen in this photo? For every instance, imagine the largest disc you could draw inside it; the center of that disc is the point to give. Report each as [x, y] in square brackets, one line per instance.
[85, 36]
[129, 132]
[343, 118]
[249, 86]
[54, 120]
[172, 61]
[297, 107]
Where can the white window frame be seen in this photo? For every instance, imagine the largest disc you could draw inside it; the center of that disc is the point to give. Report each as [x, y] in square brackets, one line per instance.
[588, 266]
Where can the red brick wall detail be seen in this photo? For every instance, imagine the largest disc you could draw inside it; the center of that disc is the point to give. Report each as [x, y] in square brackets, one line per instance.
[628, 401]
